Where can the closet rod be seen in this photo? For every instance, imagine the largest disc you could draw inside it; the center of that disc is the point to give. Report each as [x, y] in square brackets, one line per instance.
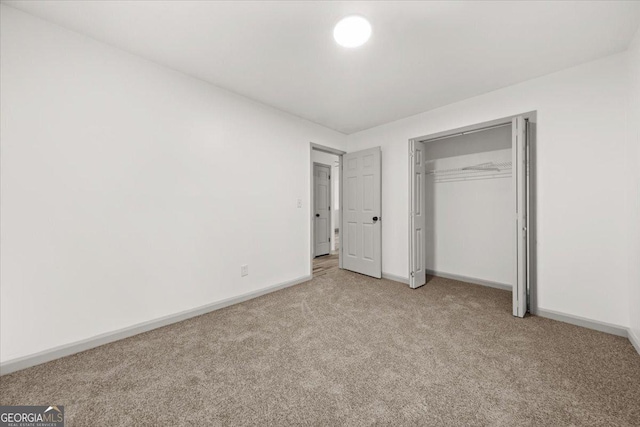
[468, 132]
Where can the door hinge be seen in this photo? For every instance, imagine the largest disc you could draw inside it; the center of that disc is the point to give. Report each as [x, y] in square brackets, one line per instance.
[329, 208]
[329, 238]
[413, 274]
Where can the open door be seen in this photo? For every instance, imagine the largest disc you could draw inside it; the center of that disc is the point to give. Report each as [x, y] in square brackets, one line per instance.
[519, 176]
[322, 208]
[417, 259]
[361, 212]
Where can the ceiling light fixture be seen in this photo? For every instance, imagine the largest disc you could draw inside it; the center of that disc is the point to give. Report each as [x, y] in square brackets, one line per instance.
[352, 31]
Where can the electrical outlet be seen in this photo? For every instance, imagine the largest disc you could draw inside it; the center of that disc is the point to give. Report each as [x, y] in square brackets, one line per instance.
[244, 270]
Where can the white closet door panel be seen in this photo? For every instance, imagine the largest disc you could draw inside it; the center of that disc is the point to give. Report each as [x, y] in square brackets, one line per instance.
[519, 177]
[417, 170]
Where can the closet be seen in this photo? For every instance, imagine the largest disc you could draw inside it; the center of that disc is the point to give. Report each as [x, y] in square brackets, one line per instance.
[469, 203]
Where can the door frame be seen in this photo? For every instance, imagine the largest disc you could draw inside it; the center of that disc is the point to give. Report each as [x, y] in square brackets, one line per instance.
[313, 205]
[323, 148]
[531, 118]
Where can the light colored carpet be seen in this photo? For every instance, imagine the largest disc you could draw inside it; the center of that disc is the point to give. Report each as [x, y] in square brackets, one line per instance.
[345, 349]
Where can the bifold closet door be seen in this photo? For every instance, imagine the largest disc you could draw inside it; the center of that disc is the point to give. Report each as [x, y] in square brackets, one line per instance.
[417, 172]
[519, 177]
[361, 208]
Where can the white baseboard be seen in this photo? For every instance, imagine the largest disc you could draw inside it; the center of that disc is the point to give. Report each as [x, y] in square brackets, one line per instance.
[395, 278]
[89, 343]
[472, 280]
[554, 315]
[635, 340]
[597, 325]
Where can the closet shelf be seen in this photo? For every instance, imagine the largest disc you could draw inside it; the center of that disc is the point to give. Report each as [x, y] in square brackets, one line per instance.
[487, 170]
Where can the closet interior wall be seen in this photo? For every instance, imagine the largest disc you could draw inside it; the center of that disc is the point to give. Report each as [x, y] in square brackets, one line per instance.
[470, 228]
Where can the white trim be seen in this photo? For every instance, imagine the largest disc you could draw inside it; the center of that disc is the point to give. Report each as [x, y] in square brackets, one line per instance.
[596, 325]
[341, 209]
[531, 115]
[326, 149]
[395, 278]
[635, 341]
[472, 280]
[89, 343]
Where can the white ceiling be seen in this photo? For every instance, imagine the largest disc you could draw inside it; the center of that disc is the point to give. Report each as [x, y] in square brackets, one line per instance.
[422, 55]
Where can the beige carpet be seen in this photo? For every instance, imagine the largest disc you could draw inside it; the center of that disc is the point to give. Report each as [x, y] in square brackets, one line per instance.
[344, 349]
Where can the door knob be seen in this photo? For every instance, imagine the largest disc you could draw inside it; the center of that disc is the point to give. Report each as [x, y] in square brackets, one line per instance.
[375, 218]
[318, 215]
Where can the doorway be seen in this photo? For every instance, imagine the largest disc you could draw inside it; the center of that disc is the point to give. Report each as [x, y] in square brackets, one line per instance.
[471, 199]
[325, 209]
[354, 208]
[323, 226]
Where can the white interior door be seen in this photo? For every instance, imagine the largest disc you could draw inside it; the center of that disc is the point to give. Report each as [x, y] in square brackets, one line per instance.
[417, 171]
[361, 212]
[520, 166]
[322, 209]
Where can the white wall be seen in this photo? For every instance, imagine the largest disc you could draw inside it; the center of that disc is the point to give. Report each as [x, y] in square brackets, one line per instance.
[582, 222]
[131, 192]
[330, 160]
[633, 164]
[470, 227]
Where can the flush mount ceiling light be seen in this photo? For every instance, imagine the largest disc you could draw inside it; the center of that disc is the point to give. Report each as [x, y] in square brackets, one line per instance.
[352, 31]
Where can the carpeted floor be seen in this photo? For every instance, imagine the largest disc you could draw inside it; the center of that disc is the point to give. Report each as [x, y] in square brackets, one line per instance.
[345, 349]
